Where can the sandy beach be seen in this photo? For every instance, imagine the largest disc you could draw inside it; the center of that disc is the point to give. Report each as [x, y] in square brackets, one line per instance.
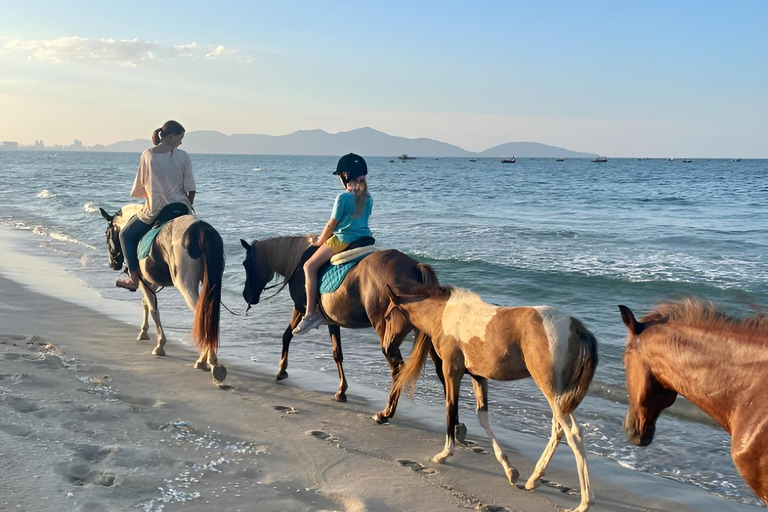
[91, 421]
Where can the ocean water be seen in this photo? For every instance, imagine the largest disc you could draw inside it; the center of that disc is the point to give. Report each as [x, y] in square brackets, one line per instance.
[578, 235]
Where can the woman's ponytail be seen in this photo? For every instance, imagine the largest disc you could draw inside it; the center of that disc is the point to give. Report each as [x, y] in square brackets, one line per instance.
[156, 136]
[361, 195]
[169, 128]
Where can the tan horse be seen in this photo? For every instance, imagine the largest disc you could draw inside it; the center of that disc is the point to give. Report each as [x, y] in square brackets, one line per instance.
[186, 254]
[717, 362]
[359, 302]
[491, 342]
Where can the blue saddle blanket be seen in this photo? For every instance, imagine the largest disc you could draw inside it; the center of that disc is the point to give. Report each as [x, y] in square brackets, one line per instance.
[145, 244]
[331, 276]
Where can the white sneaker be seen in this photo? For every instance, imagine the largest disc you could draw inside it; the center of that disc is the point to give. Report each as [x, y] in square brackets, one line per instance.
[307, 324]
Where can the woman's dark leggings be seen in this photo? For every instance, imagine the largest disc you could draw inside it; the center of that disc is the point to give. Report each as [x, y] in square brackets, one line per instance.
[130, 236]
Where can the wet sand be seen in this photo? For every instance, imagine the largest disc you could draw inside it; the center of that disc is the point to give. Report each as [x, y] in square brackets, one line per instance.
[90, 421]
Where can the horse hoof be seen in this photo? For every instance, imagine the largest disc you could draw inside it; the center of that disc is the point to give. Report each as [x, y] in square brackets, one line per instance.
[461, 432]
[159, 351]
[532, 484]
[513, 474]
[282, 376]
[339, 397]
[380, 418]
[219, 373]
[439, 458]
[142, 337]
[200, 365]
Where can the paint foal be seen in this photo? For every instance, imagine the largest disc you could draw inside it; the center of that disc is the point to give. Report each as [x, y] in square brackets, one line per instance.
[186, 254]
[717, 362]
[491, 342]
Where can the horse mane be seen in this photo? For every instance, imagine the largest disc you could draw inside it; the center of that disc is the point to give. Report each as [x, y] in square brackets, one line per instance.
[693, 311]
[282, 254]
[126, 212]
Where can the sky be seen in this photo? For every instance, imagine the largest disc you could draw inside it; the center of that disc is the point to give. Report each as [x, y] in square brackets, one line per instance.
[652, 78]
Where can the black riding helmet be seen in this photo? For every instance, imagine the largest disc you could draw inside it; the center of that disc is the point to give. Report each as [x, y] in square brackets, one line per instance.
[351, 167]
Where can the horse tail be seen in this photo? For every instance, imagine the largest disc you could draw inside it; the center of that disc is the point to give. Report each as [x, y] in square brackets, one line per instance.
[203, 241]
[582, 368]
[411, 369]
[428, 276]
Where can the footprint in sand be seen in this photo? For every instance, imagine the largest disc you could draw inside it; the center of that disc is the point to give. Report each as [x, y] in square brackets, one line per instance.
[286, 408]
[560, 487]
[79, 473]
[473, 446]
[416, 466]
[21, 405]
[325, 436]
[16, 430]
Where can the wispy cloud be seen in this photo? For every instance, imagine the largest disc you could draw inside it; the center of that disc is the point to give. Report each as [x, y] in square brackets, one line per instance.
[121, 52]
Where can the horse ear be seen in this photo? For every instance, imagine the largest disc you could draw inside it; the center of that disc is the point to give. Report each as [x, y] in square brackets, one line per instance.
[245, 244]
[393, 296]
[630, 321]
[106, 215]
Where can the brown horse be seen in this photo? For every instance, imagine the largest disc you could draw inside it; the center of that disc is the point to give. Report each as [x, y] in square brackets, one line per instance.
[717, 362]
[359, 302]
[491, 342]
[186, 254]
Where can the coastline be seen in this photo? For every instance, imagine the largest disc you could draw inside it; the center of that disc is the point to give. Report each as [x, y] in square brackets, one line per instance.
[93, 422]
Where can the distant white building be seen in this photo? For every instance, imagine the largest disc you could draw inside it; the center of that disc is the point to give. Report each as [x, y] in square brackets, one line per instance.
[9, 146]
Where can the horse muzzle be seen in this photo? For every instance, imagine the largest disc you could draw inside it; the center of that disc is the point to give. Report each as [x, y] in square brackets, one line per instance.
[634, 436]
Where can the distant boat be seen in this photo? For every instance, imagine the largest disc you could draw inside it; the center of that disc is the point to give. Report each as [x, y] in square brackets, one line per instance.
[472, 160]
[391, 160]
[601, 159]
[508, 160]
[686, 161]
[405, 157]
[670, 159]
[736, 160]
[560, 160]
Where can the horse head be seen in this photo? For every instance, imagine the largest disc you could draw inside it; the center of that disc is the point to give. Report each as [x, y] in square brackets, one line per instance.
[396, 319]
[647, 397]
[112, 234]
[255, 278]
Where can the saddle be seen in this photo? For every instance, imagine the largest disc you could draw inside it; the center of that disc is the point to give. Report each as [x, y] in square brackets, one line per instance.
[332, 274]
[167, 214]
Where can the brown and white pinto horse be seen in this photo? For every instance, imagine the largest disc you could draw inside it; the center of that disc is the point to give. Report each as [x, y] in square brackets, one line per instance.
[717, 362]
[186, 254]
[491, 342]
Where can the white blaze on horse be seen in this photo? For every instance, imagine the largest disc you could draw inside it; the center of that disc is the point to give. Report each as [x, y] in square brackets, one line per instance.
[717, 362]
[501, 343]
[189, 255]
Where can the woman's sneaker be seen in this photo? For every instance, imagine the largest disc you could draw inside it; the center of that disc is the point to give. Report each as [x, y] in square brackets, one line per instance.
[307, 324]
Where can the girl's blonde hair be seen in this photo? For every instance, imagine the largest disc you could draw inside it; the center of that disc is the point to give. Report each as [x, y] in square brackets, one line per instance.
[361, 194]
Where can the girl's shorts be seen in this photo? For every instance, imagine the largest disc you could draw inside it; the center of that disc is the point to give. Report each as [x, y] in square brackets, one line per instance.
[336, 245]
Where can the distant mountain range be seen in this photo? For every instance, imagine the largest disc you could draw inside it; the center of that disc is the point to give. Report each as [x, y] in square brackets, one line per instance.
[365, 141]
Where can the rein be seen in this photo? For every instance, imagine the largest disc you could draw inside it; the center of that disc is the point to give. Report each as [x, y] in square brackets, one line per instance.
[281, 285]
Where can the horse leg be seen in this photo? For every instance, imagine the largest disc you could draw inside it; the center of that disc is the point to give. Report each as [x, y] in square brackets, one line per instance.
[546, 456]
[287, 337]
[335, 332]
[573, 436]
[452, 385]
[143, 335]
[461, 429]
[395, 361]
[480, 386]
[151, 299]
